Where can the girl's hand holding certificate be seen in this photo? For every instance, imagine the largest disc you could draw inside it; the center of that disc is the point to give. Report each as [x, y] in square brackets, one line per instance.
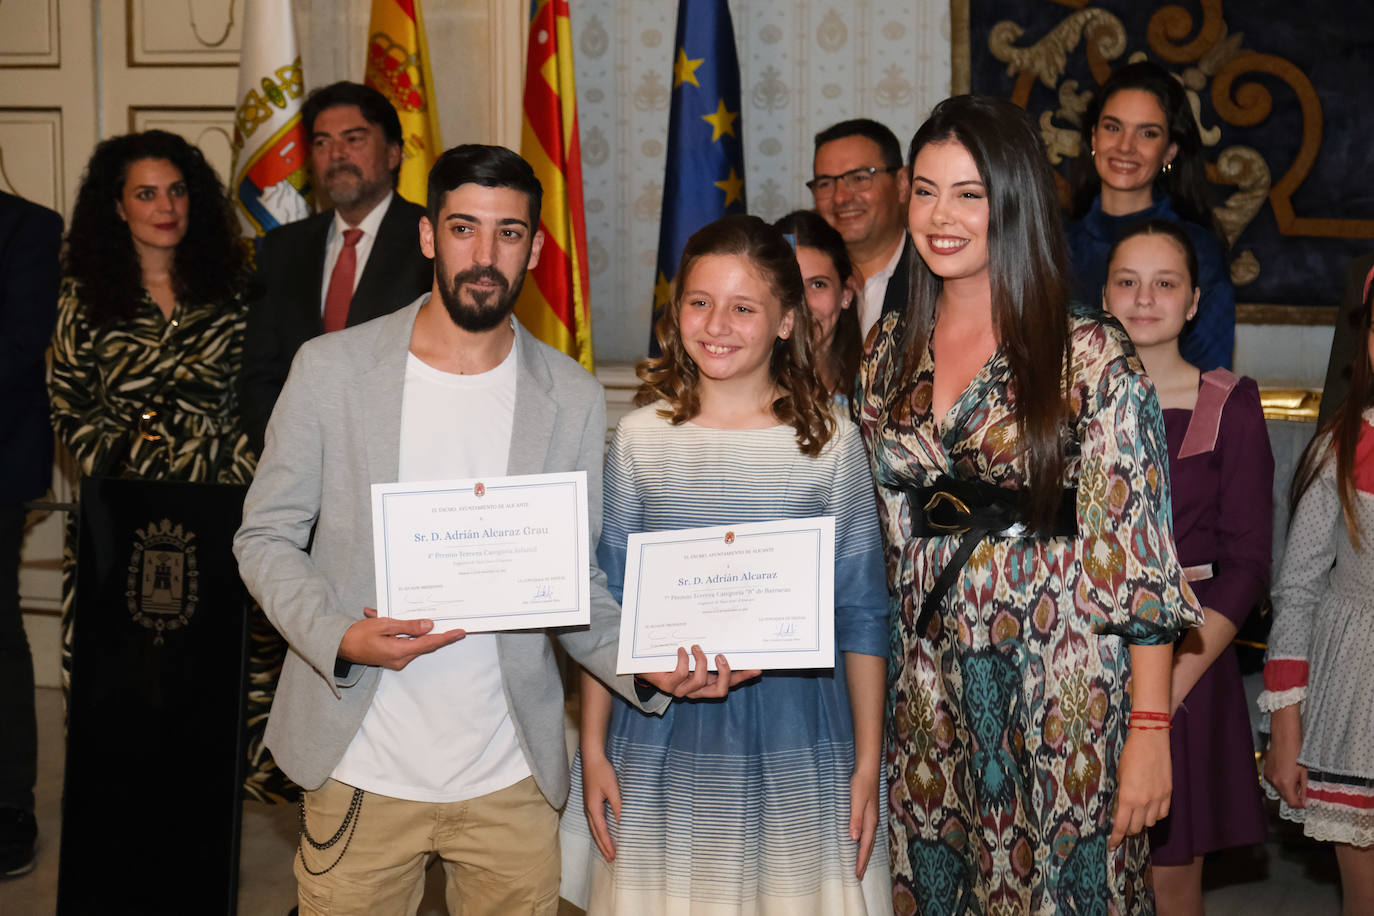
[694, 680]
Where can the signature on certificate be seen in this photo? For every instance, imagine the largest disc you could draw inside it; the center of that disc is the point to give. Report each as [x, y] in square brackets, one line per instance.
[787, 628]
[542, 592]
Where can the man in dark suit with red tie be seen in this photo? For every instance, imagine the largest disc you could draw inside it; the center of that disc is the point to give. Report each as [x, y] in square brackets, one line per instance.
[347, 265]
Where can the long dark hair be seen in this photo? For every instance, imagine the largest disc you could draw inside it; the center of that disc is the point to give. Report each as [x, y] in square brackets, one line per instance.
[1186, 181]
[841, 358]
[1341, 432]
[100, 254]
[673, 377]
[1028, 271]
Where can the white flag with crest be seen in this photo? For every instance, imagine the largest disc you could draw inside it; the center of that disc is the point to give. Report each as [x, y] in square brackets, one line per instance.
[270, 183]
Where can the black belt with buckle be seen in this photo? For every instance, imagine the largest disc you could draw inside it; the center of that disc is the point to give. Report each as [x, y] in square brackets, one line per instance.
[975, 509]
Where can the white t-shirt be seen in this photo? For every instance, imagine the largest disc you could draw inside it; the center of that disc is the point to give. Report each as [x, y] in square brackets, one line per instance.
[875, 291]
[334, 244]
[439, 730]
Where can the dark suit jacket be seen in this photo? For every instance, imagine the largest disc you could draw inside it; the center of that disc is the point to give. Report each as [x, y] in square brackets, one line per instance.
[899, 284]
[286, 312]
[30, 238]
[1345, 341]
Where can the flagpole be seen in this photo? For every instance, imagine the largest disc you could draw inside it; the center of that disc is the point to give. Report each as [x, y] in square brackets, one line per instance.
[433, 109]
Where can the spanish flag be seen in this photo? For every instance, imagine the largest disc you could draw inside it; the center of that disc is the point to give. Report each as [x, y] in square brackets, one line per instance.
[398, 68]
[554, 306]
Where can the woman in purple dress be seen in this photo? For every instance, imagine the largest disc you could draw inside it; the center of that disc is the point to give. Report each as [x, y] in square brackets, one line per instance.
[1221, 474]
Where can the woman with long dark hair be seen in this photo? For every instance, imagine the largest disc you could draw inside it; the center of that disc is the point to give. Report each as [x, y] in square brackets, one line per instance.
[1140, 158]
[1021, 468]
[148, 348]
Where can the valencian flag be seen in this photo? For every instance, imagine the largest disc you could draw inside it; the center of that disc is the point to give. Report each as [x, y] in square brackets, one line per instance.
[704, 178]
[269, 182]
[398, 68]
[554, 303]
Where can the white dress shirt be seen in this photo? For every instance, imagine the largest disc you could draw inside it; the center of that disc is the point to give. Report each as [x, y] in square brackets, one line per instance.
[875, 290]
[334, 243]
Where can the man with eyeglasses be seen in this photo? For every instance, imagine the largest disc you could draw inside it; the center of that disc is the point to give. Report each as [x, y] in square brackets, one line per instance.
[862, 189]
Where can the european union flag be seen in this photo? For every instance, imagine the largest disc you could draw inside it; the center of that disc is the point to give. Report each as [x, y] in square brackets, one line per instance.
[704, 178]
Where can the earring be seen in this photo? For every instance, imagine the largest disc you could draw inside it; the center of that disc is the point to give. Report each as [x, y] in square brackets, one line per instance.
[1168, 167]
[1092, 153]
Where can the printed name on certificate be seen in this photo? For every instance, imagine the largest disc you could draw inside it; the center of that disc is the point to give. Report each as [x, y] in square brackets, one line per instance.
[497, 553]
[762, 594]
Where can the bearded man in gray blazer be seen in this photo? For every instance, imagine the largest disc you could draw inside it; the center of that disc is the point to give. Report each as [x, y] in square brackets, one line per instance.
[411, 742]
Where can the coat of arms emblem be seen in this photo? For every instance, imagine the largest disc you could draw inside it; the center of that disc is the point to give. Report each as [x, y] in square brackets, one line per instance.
[162, 586]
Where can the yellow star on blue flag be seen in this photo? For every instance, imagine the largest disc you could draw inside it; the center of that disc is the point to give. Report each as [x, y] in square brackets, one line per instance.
[663, 290]
[733, 186]
[685, 70]
[705, 151]
[722, 121]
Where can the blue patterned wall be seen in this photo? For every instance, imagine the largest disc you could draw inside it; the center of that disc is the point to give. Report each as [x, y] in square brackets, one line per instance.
[1280, 88]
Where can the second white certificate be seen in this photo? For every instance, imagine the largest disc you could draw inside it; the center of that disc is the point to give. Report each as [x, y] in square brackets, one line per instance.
[762, 594]
[502, 553]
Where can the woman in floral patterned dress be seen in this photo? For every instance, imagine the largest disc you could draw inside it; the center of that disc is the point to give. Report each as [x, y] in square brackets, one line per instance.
[1026, 518]
[150, 321]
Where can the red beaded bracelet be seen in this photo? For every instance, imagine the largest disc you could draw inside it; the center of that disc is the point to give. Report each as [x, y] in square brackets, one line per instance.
[1151, 716]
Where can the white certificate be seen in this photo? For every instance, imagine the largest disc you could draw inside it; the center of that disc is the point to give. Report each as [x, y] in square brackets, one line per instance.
[761, 594]
[500, 553]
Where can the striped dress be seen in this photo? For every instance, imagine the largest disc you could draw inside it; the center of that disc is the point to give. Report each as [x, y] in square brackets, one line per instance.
[738, 806]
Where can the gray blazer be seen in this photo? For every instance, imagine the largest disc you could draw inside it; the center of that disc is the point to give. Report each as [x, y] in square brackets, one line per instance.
[335, 432]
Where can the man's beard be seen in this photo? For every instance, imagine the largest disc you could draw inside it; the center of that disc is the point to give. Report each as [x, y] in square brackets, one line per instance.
[489, 307]
[353, 193]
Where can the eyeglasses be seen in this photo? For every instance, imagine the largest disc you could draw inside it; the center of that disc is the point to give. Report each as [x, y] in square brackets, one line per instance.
[855, 180]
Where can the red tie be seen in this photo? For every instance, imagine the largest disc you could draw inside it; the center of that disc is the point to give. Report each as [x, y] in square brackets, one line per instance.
[341, 283]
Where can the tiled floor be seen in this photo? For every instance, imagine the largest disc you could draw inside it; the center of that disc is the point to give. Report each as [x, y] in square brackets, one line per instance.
[1287, 875]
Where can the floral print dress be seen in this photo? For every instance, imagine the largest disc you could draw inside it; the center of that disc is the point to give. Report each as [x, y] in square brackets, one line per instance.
[187, 369]
[1006, 718]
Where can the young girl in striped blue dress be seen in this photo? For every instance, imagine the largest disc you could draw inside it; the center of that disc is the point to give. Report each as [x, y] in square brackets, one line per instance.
[767, 801]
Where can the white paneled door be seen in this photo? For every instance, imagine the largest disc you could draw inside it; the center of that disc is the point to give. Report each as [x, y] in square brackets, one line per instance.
[71, 73]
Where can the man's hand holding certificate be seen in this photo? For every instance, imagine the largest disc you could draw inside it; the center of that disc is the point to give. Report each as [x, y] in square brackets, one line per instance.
[761, 594]
[502, 553]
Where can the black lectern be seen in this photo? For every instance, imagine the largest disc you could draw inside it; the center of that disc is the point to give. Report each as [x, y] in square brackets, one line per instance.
[155, 757]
